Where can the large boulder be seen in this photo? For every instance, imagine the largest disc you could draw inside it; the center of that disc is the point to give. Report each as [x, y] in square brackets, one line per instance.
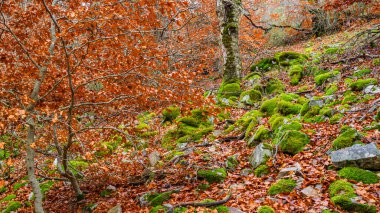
[260, 155]
[362, 156]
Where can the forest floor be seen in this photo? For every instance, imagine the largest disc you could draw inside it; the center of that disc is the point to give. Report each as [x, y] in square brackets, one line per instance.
[129, 175]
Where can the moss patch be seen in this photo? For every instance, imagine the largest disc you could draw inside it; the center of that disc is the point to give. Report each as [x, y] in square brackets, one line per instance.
[362, 83]
[346, 204]
[295, 74]
[232, 162]
[250, 97]
[264, 65]
[8, 198]
[288, 108]
[322, 78]
[346, 139]
[341, 187]
[282, 186]
[229, 90]
[214, 175]
[156, 199]
[293, 142]
[362, 73]
[290, 58]
[262, 133]
[265, 209]
[171, 113]
[359, 175]
[12, 207]
[336, 118]
[261, 171]
[269, 106]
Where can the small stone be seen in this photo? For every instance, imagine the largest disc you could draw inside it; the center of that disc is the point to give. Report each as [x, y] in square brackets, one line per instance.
[115, 209]
[234, 210]
[316, 103]
[154, 157]
[289, 171]
[362, 156]
[111, 188]
[310, 192]
[259, 155]
[372, 89]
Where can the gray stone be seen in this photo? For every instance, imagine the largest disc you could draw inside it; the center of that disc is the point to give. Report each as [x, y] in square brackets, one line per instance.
[372, 89]
[363, 156]
[154, 157]
[314, 102]
[115, 209]
[259, 155]
[289, 171]
[111, 188]
[310, 192]
[234, 210]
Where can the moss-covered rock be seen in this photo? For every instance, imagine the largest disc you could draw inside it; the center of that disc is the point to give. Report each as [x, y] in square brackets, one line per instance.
[261, 171]
[8, 198]
[336, 118]
[322, 78]
[295, 74]
[158, 209]
[213, 175]
[171, 113]
[359, 175]
[290, 58]
[332, 50]
[274, 86]
[229, 90]
[222, 209]
[250, 97]
[265, 209]
[362, 72]
[276, 121]
[362, 83]
[331, 89]
[269, 106]
[12, 207]
[341, 187]
[347, 204]
[264, 65]
[262, 133]
[346, 139]
[293, 142]
[288, 108]
[156, 199]
[282, 186]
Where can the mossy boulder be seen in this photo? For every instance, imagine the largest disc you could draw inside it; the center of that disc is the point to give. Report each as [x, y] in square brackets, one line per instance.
[250, 97]
[295, 74]
[269, 106]
[336, 118]
[274, 86]
[156, 199]
[362, 72]
[282, 186]
[322, 78]
[171, 113]
[290, 58]
[288, 108]
[213, 175]
[341, 187]
[331, 89]
[359, 175]
[265, 209]
[293, 142]
[229, 90]
[362, 83]
[261, 171]
[347, 204]
[264, 65]
[262, 133]
[346, 139]
[276, 121]
[232, 162]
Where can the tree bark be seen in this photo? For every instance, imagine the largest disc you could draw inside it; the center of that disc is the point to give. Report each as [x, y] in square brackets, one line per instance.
[229, 12]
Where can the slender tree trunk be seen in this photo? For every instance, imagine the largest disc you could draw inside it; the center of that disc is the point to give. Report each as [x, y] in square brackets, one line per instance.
[30, 168]
[229, 12]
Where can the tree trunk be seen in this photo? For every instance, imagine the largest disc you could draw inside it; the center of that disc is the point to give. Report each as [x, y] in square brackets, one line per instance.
[229, 12]
[30, 168]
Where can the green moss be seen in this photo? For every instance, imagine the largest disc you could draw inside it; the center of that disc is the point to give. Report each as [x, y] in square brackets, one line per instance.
[359, 175]
[288, 108]
[203, 187]
[17, 186]
[232, 162]
[262, 133]
[346, 139]
[336, 118]
[157, 209]
[156, 199]
[221, 209]
[276, 121]
[290, 58]
[362, 73]
[261, 171]
[293, 142]
[290, 97]
[250, 97]
[265, 209]
[328, 211]
[326, 111]
[362, 83]
[313, 111]
[214, 175]
[305, 108]
[229, 90]
[376, 62]
[322, 78]
[282, 186]
[274, 86]
[341, 187]
[332, 50]
[295, 74]
[171, 113]
[346, 204]
[12, 207]
[180, 210]
[264, 65]
[8, 198]
[105, 193]
[291, 126]
[189, 121]
[269, 106]
[377, 116]
[331, 89]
